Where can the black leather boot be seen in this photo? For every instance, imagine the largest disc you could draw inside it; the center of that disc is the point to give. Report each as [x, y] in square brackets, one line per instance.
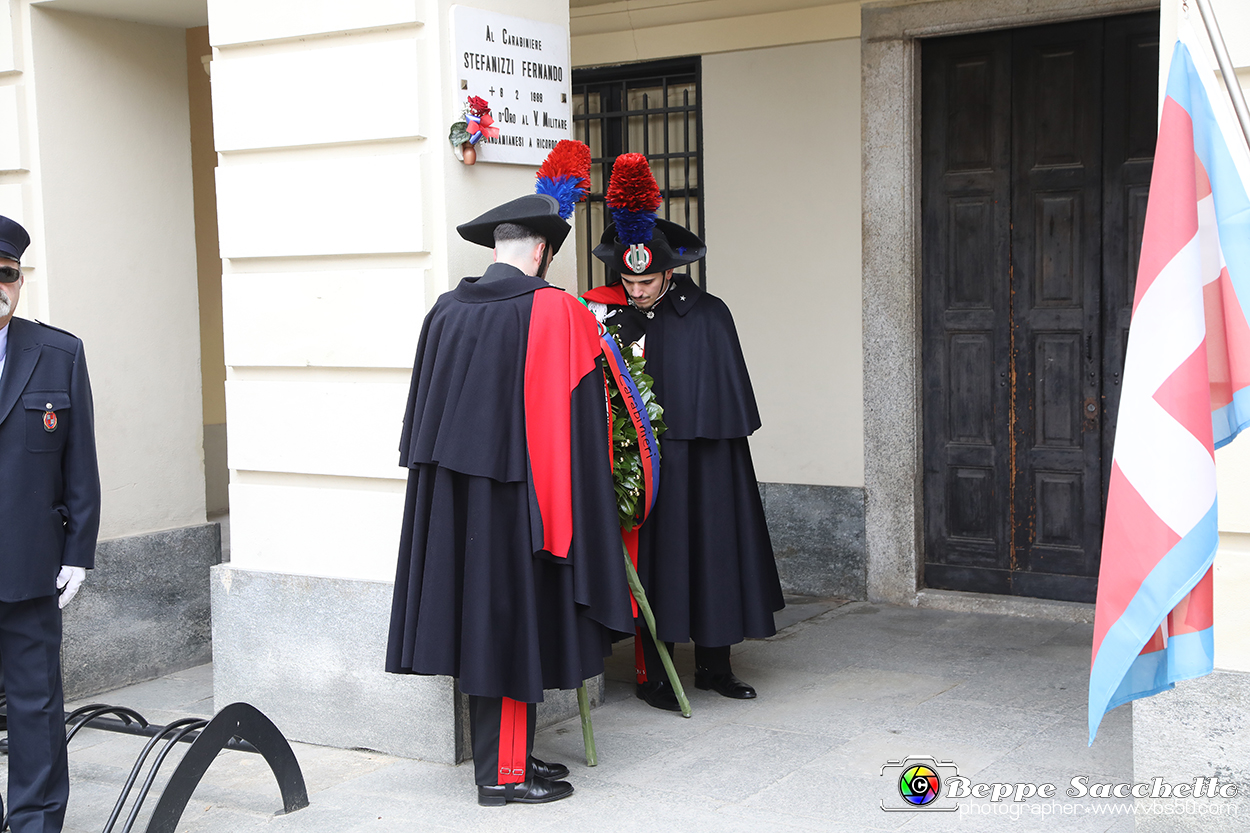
[533, 790]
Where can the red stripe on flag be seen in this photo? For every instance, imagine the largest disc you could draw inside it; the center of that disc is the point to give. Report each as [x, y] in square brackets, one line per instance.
[1217, 343]
[1185, 395]
[1228, 340]
[1134, 540]
[513, 731]
[1237, 331]
[1203, 182]
[1195, 612]
[1155, 643]
[1172, 217]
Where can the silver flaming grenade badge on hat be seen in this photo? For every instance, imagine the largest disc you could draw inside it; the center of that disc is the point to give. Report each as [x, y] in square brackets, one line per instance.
[637, 258]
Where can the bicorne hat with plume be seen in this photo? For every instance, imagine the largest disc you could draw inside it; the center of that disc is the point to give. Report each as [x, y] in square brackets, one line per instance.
[563, 181]
[638, 242]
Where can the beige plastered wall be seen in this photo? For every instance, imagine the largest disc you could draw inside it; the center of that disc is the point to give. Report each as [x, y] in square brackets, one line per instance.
[781, 143]
[208, 269]
[20, 197]
[783, 235]
[337, 197]
[110, 184]
[1232, 463]
[644, 30]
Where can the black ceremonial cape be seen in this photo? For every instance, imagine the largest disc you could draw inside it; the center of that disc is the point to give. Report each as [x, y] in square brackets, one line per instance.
[509, 575]
[704, 555]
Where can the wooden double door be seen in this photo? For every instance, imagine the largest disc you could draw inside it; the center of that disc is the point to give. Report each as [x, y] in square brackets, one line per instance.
[1037, 147]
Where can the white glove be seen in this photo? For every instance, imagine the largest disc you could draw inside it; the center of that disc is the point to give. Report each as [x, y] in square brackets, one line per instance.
[68, 581]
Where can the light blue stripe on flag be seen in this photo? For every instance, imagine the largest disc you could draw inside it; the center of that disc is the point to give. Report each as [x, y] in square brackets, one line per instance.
[1186, 656]
[1171, 579]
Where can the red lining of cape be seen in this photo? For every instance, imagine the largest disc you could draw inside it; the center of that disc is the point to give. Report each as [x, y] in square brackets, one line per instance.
[614, 294]
[562, 348]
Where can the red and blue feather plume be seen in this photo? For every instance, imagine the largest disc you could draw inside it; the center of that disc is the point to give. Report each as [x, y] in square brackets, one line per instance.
[633, 198]
[565, 175]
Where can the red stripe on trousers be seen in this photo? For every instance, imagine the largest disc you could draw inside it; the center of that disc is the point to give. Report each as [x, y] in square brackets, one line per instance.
[640, 664]
[512, 735]
[630, 540]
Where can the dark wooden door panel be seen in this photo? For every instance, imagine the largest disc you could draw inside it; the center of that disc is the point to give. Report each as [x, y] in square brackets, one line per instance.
[1036, 151]
[971, 366]
[1056, 274]
[966, 135]
[1056, 412]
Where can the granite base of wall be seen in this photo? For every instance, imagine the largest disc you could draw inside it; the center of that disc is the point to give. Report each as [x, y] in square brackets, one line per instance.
[1200, 729]
[142, 612]
[818, 538]
[310, 651]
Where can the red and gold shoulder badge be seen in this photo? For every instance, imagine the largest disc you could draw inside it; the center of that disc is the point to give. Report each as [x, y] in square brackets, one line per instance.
[49, 419]
[637, 258]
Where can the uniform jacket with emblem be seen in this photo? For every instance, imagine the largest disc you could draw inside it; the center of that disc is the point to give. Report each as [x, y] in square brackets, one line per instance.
[50, 494]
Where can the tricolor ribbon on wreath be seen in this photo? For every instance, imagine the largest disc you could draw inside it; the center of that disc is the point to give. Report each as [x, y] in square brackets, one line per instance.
[648, 446]
[635, 475]
[635, 455]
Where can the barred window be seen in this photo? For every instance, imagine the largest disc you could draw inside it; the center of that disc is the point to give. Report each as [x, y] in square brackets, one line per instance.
[653, 109]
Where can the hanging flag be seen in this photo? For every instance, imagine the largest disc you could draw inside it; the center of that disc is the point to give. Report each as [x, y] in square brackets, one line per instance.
[1186, 392]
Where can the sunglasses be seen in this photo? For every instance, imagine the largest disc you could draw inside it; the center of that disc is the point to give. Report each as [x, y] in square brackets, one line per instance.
[9, 274]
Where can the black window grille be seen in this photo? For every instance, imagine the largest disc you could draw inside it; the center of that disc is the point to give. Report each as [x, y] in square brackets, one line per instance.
[652, 109]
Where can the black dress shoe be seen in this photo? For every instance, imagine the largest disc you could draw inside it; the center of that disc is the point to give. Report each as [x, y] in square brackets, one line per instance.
[533, 790]
[658, 694]
[726, 685]
[552, 772]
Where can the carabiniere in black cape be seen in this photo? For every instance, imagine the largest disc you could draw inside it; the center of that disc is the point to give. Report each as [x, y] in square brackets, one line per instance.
[704, 555]
[476, 597]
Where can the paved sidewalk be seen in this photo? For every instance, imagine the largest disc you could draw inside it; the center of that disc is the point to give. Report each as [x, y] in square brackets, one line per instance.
[844, 687]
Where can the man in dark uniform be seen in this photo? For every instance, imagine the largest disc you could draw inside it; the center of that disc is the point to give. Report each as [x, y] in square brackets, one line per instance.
[704, 555]
[509, 574]
[49, 520]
